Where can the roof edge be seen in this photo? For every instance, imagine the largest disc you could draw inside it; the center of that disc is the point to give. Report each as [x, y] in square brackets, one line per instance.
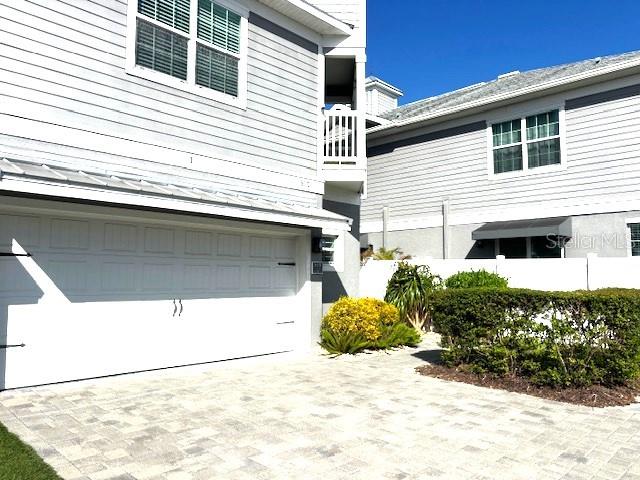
[506, 96]
[330, 24]
[371, 80]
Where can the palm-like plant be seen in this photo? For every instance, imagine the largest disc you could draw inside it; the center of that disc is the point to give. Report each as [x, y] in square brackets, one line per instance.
[410, 289]
[387, 253]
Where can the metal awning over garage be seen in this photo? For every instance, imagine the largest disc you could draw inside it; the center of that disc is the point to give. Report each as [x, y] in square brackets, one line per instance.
[539, 227]
[20, 176]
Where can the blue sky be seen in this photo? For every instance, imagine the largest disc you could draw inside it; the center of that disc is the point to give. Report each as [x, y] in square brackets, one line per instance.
[427, 47]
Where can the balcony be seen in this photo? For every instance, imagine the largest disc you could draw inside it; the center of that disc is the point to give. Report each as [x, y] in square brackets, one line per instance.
[343, 151]
[341, 129]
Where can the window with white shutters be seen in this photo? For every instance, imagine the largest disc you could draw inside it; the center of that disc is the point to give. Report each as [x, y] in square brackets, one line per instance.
[196, 42]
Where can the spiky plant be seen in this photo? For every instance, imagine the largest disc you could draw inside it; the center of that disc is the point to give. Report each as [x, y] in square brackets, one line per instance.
[387, 253]
[410, 289]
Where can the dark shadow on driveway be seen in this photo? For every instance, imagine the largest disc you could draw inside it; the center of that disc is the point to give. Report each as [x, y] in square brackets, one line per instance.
[432, 355]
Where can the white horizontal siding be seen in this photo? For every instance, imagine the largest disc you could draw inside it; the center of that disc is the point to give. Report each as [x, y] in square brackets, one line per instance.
[62, 63]
[114, 164]
[603, 164]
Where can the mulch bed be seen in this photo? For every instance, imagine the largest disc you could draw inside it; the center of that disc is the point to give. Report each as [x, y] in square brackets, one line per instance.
[594, 396]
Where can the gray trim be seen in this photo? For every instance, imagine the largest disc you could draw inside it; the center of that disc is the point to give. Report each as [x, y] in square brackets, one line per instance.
[282, 32]
[539, 227]
[348, 210]
[602, 97]
[427, 137]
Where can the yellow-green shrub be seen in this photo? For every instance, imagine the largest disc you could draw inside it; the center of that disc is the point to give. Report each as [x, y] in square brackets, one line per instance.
[354, 324]
[363, 315]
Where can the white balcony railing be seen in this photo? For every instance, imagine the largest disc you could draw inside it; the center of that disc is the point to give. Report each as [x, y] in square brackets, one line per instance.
[343, 138]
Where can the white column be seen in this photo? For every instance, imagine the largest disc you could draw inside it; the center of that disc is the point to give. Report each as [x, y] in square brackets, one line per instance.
[385, 227]
[361, 108]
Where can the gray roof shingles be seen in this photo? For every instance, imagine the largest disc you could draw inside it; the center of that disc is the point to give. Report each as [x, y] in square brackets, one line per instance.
[512, 83]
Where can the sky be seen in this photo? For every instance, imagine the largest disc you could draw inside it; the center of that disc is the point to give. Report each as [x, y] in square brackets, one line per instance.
[428, 47]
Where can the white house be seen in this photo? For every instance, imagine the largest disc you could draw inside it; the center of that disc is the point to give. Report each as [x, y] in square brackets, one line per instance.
[171, 182]
[544, 163]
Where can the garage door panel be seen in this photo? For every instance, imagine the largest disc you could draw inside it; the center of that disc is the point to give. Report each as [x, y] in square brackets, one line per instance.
[120, 237]
[15, 281]
[159, 240]
[229, 245]
[198, 243]
[260, 247]
[158, 277]
[125, 297]
[198, 277]
[69, 273]
[259, 277]
[118, 276]
[229, 277]
[284, 278]
[24, 229]
[67, 234]
[285, 249]
[83, 340]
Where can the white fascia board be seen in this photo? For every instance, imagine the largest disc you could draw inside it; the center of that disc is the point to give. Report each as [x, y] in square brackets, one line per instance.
[541, 87]
[39, 187]
[310, 16]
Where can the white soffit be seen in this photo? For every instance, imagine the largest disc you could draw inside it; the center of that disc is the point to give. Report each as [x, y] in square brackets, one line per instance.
[20, 176]
[310, 16]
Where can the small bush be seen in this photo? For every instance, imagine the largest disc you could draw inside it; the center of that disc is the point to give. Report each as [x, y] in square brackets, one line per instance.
[410, 289]
[389, 254]
[476, 279]
[553, 338]
[355, 324]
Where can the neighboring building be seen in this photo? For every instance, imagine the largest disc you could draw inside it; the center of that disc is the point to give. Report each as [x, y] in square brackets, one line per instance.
[544, 163]
[167, 173]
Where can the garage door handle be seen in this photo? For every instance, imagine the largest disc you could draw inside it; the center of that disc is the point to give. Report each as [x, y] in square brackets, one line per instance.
[181, 307]
[287, 264]
[175, 308]
[12, 346]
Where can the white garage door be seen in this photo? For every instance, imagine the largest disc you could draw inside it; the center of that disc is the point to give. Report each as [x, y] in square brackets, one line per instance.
[100, 297]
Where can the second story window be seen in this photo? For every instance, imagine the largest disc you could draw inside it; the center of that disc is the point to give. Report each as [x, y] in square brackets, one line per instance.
[526, 143]
[192, 44]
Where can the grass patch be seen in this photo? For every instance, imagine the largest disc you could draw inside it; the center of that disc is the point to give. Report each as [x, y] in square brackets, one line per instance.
[19, 461]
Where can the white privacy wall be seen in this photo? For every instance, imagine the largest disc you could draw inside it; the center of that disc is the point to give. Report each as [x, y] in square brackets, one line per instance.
[562, 274]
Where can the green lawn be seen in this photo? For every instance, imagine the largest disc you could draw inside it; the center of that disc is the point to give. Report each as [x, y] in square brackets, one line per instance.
[19, 461]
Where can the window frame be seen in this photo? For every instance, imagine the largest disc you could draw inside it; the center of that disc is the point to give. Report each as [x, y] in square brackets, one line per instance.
[628, 223]
[522, 116]
[190, 85]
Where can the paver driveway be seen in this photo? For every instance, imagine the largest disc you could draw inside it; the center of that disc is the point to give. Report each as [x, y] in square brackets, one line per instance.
[364, 417]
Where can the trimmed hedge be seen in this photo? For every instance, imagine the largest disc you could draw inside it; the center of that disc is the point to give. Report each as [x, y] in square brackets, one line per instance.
[553, 338]
[476, 279]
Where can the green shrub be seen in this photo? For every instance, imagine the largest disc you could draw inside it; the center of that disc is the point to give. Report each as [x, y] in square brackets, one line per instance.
[476, 279]
[389, 254]
[410, 289]
[342, 342]
[355, 324]
[396, 335]
[553, 338]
